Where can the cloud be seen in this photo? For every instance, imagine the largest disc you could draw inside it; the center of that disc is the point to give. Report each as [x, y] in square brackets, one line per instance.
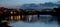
[7, 3]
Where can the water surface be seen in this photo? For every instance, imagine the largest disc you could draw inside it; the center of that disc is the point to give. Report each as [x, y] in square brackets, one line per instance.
[44, 21]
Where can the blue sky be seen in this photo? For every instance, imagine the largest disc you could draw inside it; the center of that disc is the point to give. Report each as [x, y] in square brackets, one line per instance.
[19, 2]
[26, 1]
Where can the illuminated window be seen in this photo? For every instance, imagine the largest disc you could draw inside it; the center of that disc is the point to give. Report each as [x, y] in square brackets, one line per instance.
[14, 12]
[11, 12]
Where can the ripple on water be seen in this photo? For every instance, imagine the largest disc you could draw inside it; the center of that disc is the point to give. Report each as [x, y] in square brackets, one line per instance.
[36, 24]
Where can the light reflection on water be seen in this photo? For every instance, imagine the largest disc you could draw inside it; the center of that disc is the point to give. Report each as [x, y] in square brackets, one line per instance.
[42, 22]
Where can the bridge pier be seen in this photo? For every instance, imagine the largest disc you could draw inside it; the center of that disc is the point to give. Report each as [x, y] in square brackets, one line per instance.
[38, 16]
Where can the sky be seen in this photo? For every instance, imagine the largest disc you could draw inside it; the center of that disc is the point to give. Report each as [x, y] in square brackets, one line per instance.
[20, 2]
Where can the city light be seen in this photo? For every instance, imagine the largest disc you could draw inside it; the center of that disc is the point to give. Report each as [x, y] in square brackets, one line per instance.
[18, 17]
[23, 16]
[14, 12]
[15, 17]
[11, 17]
[11, 12]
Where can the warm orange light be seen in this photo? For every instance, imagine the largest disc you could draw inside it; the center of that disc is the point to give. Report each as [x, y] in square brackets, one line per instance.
[14, 12]
[18, 17]
[11, 17]
[15, 17]
[11, 12]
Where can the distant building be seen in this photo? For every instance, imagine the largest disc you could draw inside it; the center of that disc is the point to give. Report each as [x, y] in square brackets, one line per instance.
[47, 10]
[12, 11]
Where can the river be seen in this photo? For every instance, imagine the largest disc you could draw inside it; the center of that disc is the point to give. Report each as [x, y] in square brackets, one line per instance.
[44, 21]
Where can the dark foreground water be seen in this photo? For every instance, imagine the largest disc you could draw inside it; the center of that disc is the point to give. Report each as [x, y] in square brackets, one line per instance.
[44, 21]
